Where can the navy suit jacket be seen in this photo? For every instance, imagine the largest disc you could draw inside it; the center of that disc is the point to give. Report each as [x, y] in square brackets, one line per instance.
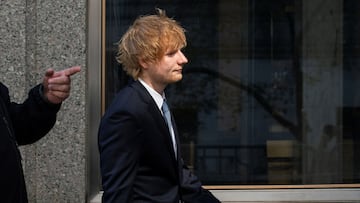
[137, 160]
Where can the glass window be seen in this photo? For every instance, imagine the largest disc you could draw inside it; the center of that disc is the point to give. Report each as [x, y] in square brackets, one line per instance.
[269, 95]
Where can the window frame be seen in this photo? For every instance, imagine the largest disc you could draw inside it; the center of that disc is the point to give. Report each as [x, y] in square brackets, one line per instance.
[95, 107]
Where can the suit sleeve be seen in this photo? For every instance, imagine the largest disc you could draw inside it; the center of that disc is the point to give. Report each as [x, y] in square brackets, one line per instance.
[32, 119]
[192, 190]
[119, 147]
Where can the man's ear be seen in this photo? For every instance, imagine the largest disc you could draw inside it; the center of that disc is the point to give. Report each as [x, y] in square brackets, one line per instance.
[143, 63]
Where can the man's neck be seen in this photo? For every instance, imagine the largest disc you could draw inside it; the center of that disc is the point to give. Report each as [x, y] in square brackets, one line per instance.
[157, 88]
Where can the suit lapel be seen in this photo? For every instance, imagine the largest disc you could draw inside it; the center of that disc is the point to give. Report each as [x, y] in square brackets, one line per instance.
[178, 150]
[179, 161]
[158, 119]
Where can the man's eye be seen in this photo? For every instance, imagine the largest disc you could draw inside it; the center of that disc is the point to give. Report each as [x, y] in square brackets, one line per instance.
[171, 53]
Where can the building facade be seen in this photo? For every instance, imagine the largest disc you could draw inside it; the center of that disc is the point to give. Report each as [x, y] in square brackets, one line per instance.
[268, 107]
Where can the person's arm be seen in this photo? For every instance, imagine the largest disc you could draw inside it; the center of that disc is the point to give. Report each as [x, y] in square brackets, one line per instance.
[192, 190]
[119, 147]
[35, 117]
[32, 119]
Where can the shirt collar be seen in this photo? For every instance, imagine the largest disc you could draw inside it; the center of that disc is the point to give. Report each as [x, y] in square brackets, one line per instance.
[158, 98]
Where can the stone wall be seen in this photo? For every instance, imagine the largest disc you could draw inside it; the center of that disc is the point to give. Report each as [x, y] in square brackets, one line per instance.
[36, 35]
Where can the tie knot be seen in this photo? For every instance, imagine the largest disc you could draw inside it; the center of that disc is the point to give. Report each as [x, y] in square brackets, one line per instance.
[165, 107]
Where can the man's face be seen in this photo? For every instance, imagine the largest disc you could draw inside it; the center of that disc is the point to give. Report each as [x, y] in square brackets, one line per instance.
[168, 69]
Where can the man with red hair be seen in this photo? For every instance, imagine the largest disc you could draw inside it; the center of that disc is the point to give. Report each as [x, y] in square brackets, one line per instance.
[140, 155]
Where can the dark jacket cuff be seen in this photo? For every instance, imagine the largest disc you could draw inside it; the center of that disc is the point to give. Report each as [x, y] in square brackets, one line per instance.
[38, 93]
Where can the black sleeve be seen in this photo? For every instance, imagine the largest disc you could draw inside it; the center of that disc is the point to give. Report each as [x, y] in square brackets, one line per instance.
[191, 189]
[34, 118]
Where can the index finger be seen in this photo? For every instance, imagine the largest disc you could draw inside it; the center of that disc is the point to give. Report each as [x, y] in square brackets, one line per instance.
[71, 71]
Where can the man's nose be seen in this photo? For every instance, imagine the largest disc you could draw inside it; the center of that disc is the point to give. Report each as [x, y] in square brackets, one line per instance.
[183, 58]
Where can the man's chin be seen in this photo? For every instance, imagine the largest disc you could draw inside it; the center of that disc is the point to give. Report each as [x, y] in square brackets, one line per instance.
[176, 78]
[179, 78]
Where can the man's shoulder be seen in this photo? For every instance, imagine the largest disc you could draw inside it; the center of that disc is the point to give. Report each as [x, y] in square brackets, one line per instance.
[3, 90]
[127, 96]
[135, 91]
[2, 86]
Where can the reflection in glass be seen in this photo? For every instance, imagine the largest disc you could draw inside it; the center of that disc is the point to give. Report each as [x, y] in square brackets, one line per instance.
[269, 94]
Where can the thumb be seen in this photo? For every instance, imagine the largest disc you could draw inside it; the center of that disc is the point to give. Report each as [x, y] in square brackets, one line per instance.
[49, 72]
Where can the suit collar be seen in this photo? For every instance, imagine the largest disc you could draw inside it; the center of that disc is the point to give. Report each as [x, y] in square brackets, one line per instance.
[157, 115]
[158, 98]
